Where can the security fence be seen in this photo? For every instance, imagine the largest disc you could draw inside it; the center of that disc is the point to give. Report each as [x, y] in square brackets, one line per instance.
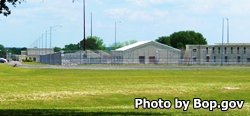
[112, 57]
[55, 59]
[203, 57]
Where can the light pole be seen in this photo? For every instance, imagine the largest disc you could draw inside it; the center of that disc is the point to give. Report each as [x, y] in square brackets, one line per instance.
[84, 40]
[115, 43]
[42, 45]
[222, 54]
[41, 56]
[91, 24]
[46, 47]
[227, 31]
[50, 38]
[39, 46]
[7, 55]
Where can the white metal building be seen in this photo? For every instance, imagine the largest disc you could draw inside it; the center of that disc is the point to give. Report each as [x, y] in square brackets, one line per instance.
[146, 52]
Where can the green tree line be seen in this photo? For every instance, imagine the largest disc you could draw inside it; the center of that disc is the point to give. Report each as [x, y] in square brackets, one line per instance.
[182, 38]
[93, 43]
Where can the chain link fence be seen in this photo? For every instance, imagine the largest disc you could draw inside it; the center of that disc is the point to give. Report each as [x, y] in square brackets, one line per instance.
[112, 57]
[202, 57]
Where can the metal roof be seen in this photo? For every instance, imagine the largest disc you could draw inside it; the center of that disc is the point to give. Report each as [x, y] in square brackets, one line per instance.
[142, 43]
[132, 45]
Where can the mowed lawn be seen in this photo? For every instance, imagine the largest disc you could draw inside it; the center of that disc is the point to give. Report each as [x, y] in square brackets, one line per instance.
[108, 92]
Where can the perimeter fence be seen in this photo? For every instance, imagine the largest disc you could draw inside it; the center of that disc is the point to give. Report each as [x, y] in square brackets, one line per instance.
[147, 57]
[112, 57]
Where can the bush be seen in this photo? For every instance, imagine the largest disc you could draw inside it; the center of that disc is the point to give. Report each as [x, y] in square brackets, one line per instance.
[27, 60]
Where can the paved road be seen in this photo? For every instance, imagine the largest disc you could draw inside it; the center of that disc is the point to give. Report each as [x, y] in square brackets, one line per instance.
[122, 67]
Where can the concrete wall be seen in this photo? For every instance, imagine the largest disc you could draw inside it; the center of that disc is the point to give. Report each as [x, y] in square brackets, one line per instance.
[35, 53]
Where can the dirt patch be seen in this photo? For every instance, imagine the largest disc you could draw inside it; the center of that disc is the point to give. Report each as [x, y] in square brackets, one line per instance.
[231, 88]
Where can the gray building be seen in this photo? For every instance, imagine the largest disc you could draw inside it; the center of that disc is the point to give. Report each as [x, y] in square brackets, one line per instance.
[35, 53]
[232, 53]
[146, 52]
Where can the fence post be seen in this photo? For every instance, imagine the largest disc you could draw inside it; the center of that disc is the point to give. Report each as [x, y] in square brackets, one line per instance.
[179, 57]
[100, 56]
[137, 58]
[167, 57]
[242, 54]
[80, 57]
[69, 58]
[89, 57]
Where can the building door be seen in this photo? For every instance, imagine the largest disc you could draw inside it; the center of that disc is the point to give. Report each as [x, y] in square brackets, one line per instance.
[34, 59]
[142, 59]
[152, 59]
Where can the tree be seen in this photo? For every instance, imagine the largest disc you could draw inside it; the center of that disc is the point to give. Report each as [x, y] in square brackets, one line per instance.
[23, 49]
[71, 47]
[2, 51]
[93, 43]
[126, 43]
[16, 50]
[164, 40]
[120, 45]
[57, 49]
[182, 38]
[4, 9]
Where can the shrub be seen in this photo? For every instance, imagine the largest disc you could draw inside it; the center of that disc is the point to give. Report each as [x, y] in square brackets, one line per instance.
[27, 60]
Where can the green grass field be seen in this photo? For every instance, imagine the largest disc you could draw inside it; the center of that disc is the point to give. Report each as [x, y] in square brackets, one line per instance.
[111, 92]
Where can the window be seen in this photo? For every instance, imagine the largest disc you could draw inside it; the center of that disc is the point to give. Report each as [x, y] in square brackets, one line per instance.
[219, 50]
[207, 50]
[214, 58]
[238, 59]
[232, 50]
[238, 50]
[226, 59]
[207, 59]
[244, 50]
[213, 50]
[194, 50]
[248, 59]
[194, 59]
[225, 50]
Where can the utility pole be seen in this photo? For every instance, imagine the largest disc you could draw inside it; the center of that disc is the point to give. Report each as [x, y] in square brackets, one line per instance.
[222, 54]
[227, 31]
[91, 25]
[84, 39]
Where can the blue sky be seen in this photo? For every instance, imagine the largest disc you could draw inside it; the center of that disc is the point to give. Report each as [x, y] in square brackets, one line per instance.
[141, 20]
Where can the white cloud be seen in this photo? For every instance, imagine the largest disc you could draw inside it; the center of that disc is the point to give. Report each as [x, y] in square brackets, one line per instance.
[138, 2]
[141, 16]
[162, 16]
[148, 16]
[159, 1]
[160, 13]
[145, 3]
[137, 15]
[118, 12]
